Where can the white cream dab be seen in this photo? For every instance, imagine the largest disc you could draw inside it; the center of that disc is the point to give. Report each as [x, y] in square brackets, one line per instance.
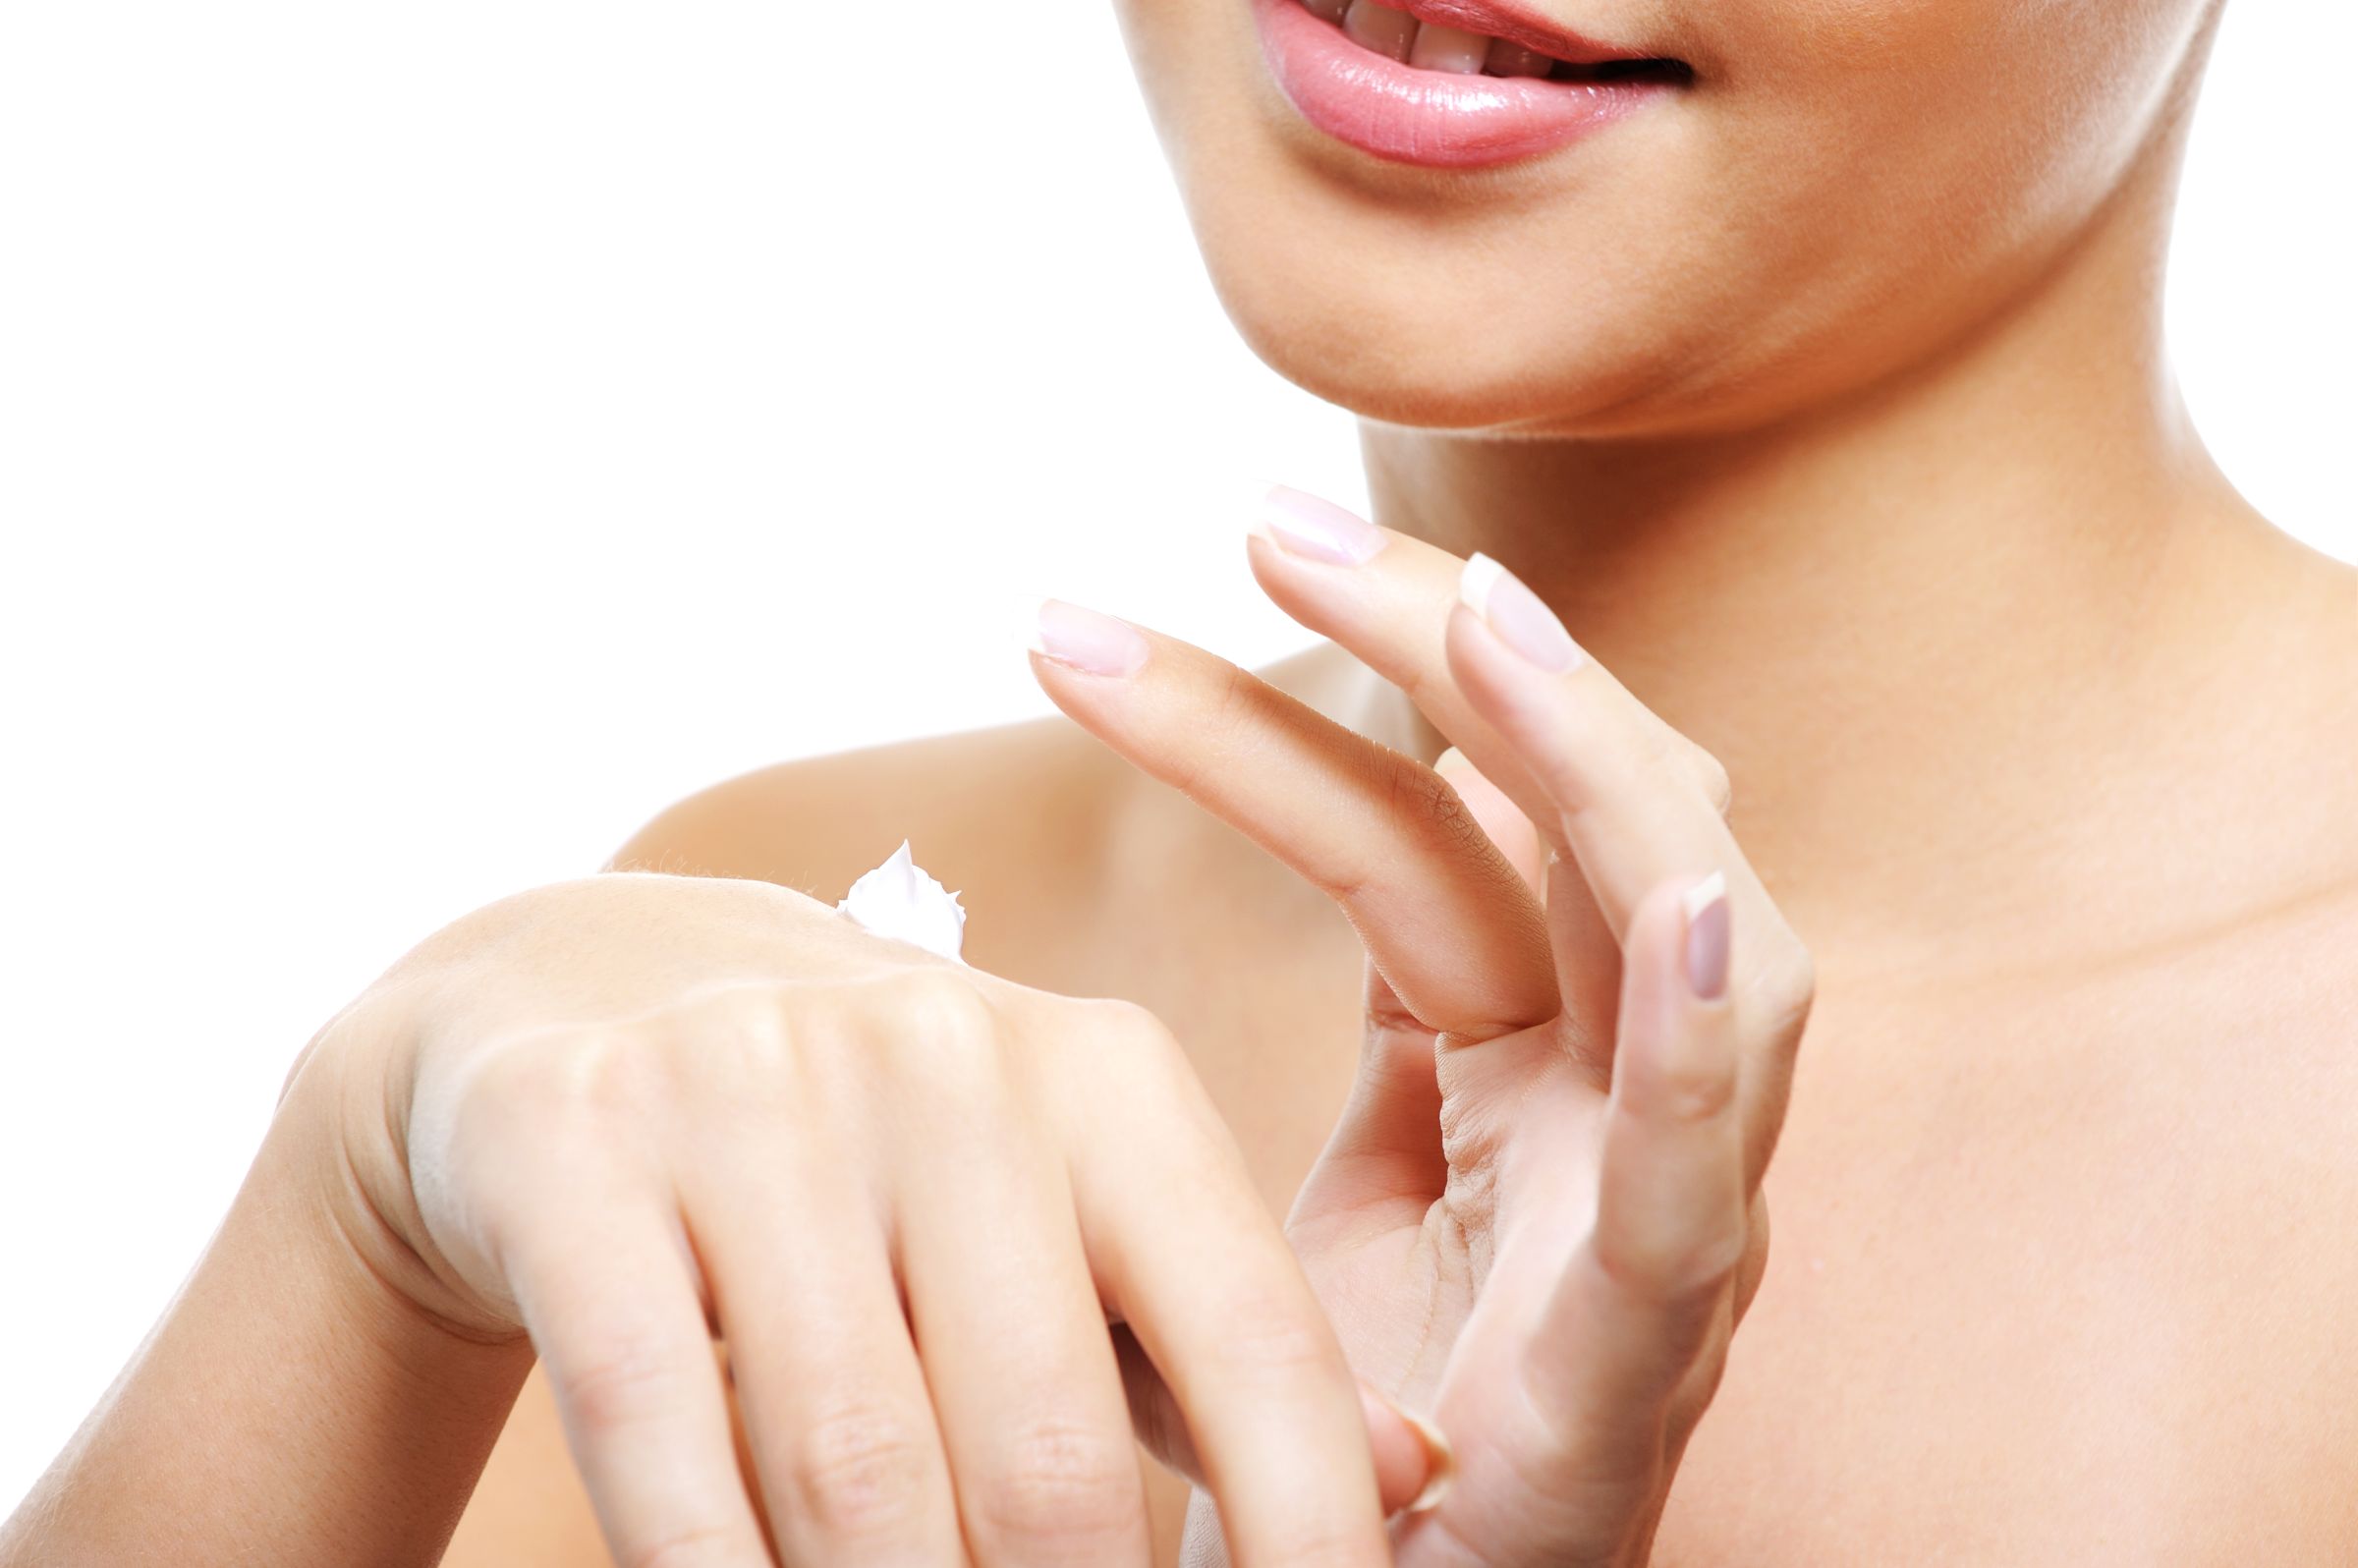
[899, 900]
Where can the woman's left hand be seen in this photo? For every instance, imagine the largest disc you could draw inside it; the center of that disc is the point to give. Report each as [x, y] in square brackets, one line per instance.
[1540, 1216]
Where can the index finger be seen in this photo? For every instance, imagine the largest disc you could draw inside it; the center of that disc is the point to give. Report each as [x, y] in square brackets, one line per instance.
[1447, 920]
[1386, 598]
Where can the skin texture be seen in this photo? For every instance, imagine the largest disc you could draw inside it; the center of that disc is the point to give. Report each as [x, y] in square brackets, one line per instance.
[1882, 493]
[1847, 184]
[1842, 438]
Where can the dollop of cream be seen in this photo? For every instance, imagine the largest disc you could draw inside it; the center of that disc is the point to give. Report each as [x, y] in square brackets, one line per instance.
[899, 900]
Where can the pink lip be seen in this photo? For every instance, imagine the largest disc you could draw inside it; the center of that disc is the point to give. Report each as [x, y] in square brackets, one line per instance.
[1433, 118]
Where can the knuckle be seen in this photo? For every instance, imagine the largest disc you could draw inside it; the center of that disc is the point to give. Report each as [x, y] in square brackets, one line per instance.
[1786, 985]
[940, 1021]
[864, 1471]
[1693, 1090]
[1063, 1481]
[1436, 803]
[1669, 1271]
[625, 1384]
[1717, 787]
[548, 1085]
[1128, 1026]
[1274, 1343]
[1323, 1542]
[1592, 754]
[743, 1024]
[701, 1545]
[1754, 1266]
[939, 1001]
[1112, 1044]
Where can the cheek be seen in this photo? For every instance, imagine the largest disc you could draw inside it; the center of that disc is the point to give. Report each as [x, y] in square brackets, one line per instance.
[1991, 103]
[1193, 59]
[1914, 158]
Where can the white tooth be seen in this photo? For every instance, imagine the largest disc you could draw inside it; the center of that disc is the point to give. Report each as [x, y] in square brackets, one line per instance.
[1449, 49]
[1380, 28]
[1510, 59]
[1330, 10]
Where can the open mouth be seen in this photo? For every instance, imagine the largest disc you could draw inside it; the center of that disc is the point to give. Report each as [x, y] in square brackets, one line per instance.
[1428, 46]
[1455, 83]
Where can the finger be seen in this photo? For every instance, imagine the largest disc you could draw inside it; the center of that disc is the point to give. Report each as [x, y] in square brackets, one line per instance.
[1185, 1252]
[621, 1327]
[1017, 1350]
[1500, 818]
[1411, 1455]
[1588, 955]
[1445, 919]
[836, 1412]
[1632, 816]
[1625, 809]
[1638, 1305]
[1386, 597]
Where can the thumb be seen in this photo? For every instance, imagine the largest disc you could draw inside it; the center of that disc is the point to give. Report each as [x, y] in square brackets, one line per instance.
[1413, 1460]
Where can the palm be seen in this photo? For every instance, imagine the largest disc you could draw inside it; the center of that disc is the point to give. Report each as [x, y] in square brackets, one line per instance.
[1539, 1216]
[1436, 1301]
[1403, 1277]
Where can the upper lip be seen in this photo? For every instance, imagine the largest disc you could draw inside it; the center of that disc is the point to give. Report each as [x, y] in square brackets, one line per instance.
[1501, 19]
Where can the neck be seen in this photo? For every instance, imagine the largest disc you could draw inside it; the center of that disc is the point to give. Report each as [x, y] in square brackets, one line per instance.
[1902, 620]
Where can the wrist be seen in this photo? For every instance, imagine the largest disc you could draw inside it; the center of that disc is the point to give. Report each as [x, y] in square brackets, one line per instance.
[293, 1405]
[343, 1127]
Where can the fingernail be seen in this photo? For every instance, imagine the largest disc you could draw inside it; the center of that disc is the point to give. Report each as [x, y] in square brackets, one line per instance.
[1705, 908]
[1520, 617]
[1084, 641]
[1453, 760]
[1409, 1452]
[1301, 524]
[1437, 1454]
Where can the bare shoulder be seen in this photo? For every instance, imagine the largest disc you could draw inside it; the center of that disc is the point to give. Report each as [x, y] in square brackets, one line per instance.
[2267, 776]
[2252, 778]
[1017, 816]
[1044, 831]
[2265, 825]
[807, 824]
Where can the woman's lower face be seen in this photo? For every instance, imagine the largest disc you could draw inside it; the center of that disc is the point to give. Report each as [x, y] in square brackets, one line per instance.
[1640, 216]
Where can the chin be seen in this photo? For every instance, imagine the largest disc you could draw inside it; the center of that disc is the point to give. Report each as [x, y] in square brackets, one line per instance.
[1705, 218]
[1387, 360]
[1406, 330]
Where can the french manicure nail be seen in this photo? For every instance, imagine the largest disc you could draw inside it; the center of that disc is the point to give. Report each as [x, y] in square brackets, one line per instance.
[1704, 906]
[1520, 617]
[1301, 524]
[1084, 641]
[1439, 1456]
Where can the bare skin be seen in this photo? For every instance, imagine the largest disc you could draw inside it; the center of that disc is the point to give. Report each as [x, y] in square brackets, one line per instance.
[1866, 479]
[2040, 757]
[2045, 1284]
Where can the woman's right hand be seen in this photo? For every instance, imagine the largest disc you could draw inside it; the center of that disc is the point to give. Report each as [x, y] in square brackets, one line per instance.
[627, 1113]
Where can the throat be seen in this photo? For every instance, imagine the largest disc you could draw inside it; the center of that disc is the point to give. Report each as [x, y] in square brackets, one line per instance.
[1945, 706]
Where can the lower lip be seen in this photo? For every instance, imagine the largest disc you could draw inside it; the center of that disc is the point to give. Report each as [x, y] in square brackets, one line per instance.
[1437, 119]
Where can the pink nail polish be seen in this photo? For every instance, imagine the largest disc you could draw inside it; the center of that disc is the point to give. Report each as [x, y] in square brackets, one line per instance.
[1704, 906]
[1520, 617]
[1300, 524]
[1084, 641]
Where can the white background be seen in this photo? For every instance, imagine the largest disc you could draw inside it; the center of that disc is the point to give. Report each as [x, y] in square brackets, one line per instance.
[433, 437]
